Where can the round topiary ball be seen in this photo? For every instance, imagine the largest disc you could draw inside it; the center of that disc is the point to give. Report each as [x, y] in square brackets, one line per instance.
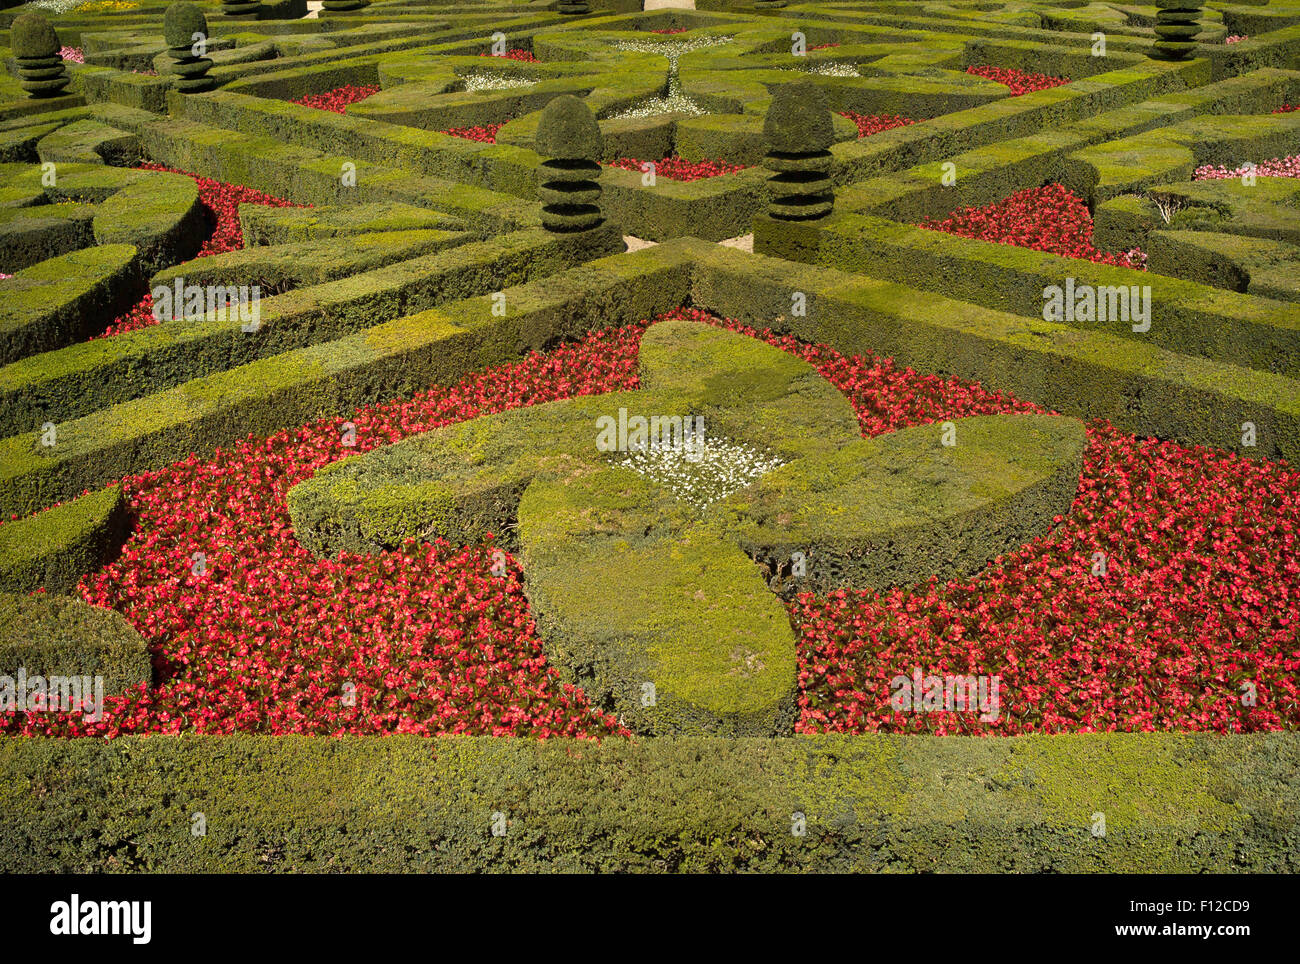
[799, 119]
[31, 37]
[568, 130]
[181, 22]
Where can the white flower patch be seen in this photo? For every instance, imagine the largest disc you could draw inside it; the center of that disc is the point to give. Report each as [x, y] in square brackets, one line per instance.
[674, 101]
[829, 69]
[672, 49]
[57, 6]
[701, 474]
[477, 82]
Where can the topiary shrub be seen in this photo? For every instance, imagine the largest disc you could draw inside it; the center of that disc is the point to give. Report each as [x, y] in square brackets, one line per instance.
[573, 7]
[1177, 24]
[50, 635]
[799, 130]
[185, 28]
[568, 135]
[241, 9]
[343, 4]
[36, 48]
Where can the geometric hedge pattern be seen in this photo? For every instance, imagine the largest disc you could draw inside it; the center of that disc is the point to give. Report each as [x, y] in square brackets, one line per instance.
[402, 256]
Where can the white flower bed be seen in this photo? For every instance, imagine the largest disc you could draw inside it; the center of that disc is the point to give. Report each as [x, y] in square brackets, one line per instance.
[701, 474]
[826, 70]
[56, 6]
[477, 82]
[675, 101]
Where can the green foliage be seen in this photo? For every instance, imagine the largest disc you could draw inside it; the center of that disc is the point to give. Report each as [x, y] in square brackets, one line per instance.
[181, 21]
[32, 37]
[55, 548]
[53, 635]
[900, 804]
[799, 120]
[568, 131]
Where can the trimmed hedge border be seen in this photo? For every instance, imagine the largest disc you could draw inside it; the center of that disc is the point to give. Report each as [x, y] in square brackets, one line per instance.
[1089, 374]
[388, 360]
[79, 379]
[1186, 317]
[1172, 802]
[1141, 388]
[50, 635]
[55, 548]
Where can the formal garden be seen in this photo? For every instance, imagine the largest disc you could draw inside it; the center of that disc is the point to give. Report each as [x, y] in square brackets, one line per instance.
[460, 435]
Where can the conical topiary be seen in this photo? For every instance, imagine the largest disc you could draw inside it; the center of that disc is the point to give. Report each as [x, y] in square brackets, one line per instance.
[240, 9]
[574, 6]
[799, 131]
[181, 22]
[36, 48]
[569, 137]
[1177, 23]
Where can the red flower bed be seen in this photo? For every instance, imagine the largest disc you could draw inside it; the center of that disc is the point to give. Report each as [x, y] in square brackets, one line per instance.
[1019, 81]
[678, 169]
[1201, 591]
[1198, 598]
[524, 55]
[487, 134]
[823, 46]
[869, 124]
[1273, 167]
[222, 202]
[1050, 218]
[337, 100]
[675, 30]
[1286, 108]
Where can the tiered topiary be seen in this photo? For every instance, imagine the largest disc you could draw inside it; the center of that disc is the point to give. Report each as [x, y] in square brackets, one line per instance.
[180, 23]
[36, 48]
[569, 136]
[799, 131]
[1177, 23]
[240, 9]
[574, 6]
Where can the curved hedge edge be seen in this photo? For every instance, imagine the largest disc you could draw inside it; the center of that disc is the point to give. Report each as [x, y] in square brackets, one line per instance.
[334, 377]
[51, 635]
[63, 299]
[55, 548]
[902, 507]
[1140, 388]
[1180, 803]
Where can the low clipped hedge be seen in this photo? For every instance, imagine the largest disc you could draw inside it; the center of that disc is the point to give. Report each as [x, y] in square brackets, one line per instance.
[388, 360]
[902, 507]
[993, 168]
[50, 635]
[54, 548]
[1139, 387]
[1171, 803]
[264, 224]
[79, 379]
[1187, 317]
[67, 298]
